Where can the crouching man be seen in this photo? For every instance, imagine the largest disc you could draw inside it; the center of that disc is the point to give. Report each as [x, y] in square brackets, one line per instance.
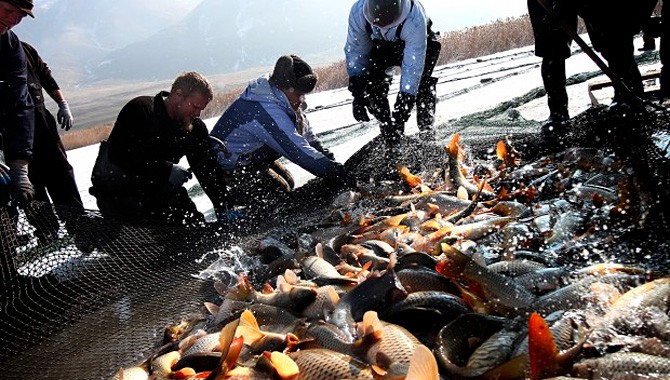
[137, 176]
[266, 123]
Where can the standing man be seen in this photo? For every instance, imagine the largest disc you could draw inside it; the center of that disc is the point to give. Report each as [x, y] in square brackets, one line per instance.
[16, 131]
[50, 171]
[137, 176]
[552, 43]
[266, 123]
[383, 34]
[612, 26]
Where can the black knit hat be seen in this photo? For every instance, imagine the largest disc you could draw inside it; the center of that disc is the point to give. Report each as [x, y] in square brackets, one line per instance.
[24, 5]
[292, 72]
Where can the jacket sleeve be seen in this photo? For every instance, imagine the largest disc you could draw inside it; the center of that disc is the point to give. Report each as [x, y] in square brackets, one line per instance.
[359, 42]
[415, 35]
[18, 124]
[281, 136]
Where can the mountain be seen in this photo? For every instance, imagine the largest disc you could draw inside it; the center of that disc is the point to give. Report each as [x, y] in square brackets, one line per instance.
[223, 36]
[86, 41]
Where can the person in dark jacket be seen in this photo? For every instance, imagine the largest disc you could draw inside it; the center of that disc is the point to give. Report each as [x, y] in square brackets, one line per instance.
[137, 176]
[552, 43]
[16, 132]
[384, 34]
[266, 123]
[612, 26]
[50, 172]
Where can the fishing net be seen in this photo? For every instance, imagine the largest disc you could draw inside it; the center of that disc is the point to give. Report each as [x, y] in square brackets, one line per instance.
[95, 294]
[83, 295]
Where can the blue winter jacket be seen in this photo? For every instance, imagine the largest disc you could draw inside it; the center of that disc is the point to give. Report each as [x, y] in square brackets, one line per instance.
[414, 33]
[260, 127]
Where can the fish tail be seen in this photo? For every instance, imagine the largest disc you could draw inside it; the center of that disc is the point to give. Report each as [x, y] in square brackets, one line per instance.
[423, 365]
[542, 350]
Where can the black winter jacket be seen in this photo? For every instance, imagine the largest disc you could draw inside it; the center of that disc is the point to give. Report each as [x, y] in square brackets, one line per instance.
[17, 124]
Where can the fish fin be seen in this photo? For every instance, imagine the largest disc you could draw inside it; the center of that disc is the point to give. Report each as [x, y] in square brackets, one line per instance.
[267, 288]
[462, 193]
[285, 287]
[183, 373]
[318, 249]
[453, 149]
[478, 257]
[423, 365]
[501, 150]
[514, 368]
[220, 288]
[285, 367]
[290, 276]
[230, 350]
[248, 327]
[409, 178]
[542, 349]
[212, 308]
[372, 327]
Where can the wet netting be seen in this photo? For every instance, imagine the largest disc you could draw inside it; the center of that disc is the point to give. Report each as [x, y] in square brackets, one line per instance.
[83, 295]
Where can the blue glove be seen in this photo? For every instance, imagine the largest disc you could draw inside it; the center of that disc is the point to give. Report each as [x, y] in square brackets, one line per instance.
[64, 115]
[21, 187]
[179, 175]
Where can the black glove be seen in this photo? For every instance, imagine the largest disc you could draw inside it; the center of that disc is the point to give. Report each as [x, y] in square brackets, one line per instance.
[22, 189]
[403, 107]
[179, 175]
[342, 178]
[360, 104]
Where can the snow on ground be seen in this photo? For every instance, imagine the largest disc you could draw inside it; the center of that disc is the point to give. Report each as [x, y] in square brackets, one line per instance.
[464, 88]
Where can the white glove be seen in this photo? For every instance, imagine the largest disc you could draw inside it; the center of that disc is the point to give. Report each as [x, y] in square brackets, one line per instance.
[179, 175]
[22, 189]
[64, 115]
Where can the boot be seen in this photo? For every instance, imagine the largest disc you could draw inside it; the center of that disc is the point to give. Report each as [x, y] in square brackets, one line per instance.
[426, 101]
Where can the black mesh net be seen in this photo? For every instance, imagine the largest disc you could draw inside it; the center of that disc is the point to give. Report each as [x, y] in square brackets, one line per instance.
[96, 294]
[83, 295]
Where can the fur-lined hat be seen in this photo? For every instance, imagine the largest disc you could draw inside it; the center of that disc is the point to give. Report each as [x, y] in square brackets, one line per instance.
[292, 72]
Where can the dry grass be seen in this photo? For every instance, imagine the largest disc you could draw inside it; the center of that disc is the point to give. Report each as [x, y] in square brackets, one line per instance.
[497, 36]
[86, 137]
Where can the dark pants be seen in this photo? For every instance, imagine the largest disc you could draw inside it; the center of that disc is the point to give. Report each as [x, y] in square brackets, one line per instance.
[137, 201]
[385, 55]
[52, 177]
[552, 43]
[664, 50]
[612, 28]
[170, 206]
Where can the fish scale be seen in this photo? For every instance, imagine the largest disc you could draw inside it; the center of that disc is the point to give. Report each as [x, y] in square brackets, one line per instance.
[324, 364]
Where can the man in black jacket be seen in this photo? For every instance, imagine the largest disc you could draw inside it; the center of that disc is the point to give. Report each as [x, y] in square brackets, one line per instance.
[137, 175]
[16, 131]
[50, 172]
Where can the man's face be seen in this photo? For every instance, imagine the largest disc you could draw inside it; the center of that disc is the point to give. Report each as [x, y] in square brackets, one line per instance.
[10, 16]
[189, 107]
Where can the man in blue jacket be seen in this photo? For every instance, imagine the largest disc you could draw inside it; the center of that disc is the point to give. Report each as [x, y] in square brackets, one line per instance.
[266, 123]
[383, 34]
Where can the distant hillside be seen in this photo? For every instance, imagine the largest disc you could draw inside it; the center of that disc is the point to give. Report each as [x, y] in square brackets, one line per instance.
[88, 41]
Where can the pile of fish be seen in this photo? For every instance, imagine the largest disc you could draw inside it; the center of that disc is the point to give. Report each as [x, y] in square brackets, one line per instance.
[502, 269]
